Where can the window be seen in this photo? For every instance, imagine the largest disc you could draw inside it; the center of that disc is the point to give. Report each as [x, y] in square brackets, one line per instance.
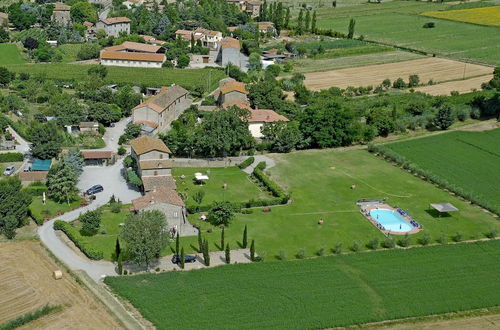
[176, 214]
[161, 156]
[155, 173]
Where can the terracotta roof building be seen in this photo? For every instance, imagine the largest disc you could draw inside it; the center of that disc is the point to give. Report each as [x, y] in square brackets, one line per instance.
[232, 92]
[113, 26]
[97, 157]
[145, 144]
[258, 118]
[30, 177]
[61, 13]
[161, 109]
[156, 182]
[161, 195]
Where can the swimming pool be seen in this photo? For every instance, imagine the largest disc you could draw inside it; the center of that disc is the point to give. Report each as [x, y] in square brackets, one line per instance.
[391, 220]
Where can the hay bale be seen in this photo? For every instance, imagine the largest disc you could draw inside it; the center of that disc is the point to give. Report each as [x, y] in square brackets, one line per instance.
[57, 274]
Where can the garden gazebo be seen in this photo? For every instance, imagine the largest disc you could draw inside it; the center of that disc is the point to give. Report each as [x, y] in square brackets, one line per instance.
[444, 208]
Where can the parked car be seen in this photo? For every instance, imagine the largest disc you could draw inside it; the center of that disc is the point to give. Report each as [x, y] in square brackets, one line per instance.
[95, 189]
[176, 259]
[9, 170]
[27, 169]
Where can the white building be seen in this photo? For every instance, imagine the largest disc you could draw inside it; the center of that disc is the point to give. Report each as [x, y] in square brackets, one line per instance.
[260, 117]
[113, 26]
[133, 60]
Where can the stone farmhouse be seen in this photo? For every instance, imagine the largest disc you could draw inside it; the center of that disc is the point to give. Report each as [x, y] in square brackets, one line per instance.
[157, 113]
[152, 158]
[232, 92]
[229, 52]
[208, 38]
[113, 26]
[133, 54]
[252, 8]
[61, 13]
[258, 118]
[267, 28]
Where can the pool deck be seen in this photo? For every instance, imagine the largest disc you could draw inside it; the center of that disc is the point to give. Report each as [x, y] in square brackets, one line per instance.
[365, 210]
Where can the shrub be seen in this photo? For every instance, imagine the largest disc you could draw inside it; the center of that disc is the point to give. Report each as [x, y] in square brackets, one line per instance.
[321, 252]
[338, 248]
[29, 317]
[10, 157]
[301, 254]
[373, 244]
[247, 162]
[491, 234]
[76, 238]
[405, 241]
[121, 151]
[458, 237]
[36, 189]
[441, 239]
[355, 247]
[429, 25]
[399, 83]
[246, 211]
[91, 220]
[389, 242]
[282, 255]
[116, 207]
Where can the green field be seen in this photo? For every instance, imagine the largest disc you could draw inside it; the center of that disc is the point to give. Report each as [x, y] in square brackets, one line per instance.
[187, 78]
[239, 187]
[469, 160]
[9, 54]
[320, 186]
[323, 292]
[399, 23]
[69, 52]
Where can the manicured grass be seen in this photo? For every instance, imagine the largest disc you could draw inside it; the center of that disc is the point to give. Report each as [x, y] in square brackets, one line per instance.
[483, 16]
[50, 208]
[239, 187]
[470, 160]
[69, 52]
[9, 54]
[320, 186]
[398, 23]
[323, 292]
[187, 78]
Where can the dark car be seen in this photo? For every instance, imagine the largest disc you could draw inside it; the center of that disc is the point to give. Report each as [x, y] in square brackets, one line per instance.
[176, 259]
[94, 189]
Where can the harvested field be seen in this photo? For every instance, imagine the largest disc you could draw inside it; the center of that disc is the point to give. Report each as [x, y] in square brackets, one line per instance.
[461, 86]
[26, 284]
[437, 69]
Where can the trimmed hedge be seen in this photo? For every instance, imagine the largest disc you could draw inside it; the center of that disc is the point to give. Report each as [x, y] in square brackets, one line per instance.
[75, 236]
[36, 190]
[247, 162]
[10, 157]
[393, 156]
[258, 173]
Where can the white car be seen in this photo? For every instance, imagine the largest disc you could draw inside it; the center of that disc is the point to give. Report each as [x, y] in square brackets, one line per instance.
[9, 170]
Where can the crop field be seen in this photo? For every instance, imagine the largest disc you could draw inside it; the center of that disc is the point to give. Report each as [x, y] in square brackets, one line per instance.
[26, 284]
[187, 78]
[437, 69]
[461, 86]
[9, 54]
[470, 160]
[482, 16]
[399, 23]
[323, 292]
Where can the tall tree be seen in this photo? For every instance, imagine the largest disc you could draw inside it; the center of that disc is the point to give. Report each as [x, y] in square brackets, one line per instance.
[307, 21]
[313, 23]
[244, 241]
[126, 98]
[145, 236]
[15, 203]
[74, 159]
[83, 11]
[221, 213]
[91, 221]
[300, 23]
[61, 183]
[444, 117]
[286, 23]
[47, 140]
[352, 24]
[104, 113]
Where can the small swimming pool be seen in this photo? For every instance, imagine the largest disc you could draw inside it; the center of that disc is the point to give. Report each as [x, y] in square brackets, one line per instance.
[391, 220]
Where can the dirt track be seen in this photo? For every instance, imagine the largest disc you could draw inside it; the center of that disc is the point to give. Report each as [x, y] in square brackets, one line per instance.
[437, 69]
[26, 284]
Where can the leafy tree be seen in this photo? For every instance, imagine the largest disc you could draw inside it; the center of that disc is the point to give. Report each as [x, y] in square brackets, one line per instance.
[104, 113]
[444, 117]
[352, 24]
[183, 61]
[74, 159]
[222, 133]
[228, 254]
[131, 132]
[126, 98]
[254, 62]
[67, 109]
[416, 107]
[91, 221]
[5, 76]
[47, 140]
[381, 119]
[221, 213]
[244, 241]
[284, 137]
[98, 71]
[30, 43]
[327, 124]
[413, 80]
[133, 178]
[274, 70]
[61, 183]
[145, 236]
[386, 83]
[15, 203]
[399, 83]
[88, 50]
[83, 11]
[21, 15]
[198, 196]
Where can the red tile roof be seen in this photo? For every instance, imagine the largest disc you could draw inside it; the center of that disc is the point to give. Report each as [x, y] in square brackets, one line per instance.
[33, 176]
[91, 154]
[265, 115]
[148, 123]
[116, 20]
[145, 57]
[233, 86]
[228, 42]
[144, 144]
[161, 195]
[158, 182]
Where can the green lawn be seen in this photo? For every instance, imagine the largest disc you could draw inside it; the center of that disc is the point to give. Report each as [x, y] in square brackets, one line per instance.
[9, 54]
[320, 293]
[50, 208]
[398, 23]
[187, 78]
[69, 52]
[319, 183]
[239, 187]
[469, 160]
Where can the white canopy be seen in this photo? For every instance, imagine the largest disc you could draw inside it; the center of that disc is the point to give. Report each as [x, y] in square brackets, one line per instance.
[444, 207]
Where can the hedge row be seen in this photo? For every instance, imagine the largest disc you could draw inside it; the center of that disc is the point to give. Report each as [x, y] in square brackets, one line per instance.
[277, 192]
[393, 156]
[75, 236]
[36, 217]
[247, 162]
[29, 317]
[10, 157]
[35, 190]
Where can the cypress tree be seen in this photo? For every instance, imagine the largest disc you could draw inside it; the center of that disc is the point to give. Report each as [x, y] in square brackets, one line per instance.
[307, 22]
[286, 24]
[177, 244]
[228, 254]
[118, 249]
[120, 264]
[245, 238]
[313, 23]
[222, 239]
[206, 255]
[263, 17]
[352, 23]
[182, 257]
[200, 242]
[252, 251]
[300, 23]
[192, 41]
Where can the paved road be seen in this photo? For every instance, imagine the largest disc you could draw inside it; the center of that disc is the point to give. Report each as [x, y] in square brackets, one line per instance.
[260, 158]
[22, 146]
[113, 134]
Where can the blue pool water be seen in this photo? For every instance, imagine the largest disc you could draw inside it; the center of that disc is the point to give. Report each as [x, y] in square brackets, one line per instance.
[391, 220]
